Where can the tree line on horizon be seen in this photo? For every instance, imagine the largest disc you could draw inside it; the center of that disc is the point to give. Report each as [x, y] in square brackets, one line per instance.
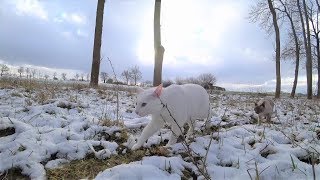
[132, 74]
[33, 73]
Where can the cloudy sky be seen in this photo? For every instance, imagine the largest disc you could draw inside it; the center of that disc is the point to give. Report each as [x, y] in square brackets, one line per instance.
[210, 36]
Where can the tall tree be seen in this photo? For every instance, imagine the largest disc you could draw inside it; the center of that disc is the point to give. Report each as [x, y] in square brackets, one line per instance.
[314, 19]
[158, 48]
[309, 55]
[46, 77]
[88, 76]
[126, 76]
[33, 72]
[82, 76]
[55, 76]
[104, 76]
[287, 9]
[77, 76]
[95, 69]
[264, 12]
[277, 32]
[64, 76]
[307, 45]
[28, 72]
[20, 71]
[135, 74]
[4, 69]
[207, 79]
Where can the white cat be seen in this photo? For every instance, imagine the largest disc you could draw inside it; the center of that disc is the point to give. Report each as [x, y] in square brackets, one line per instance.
[186, 103]
[264, 108]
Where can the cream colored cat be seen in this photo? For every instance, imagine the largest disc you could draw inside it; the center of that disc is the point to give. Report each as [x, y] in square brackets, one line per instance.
[264, 108]
[186, 103]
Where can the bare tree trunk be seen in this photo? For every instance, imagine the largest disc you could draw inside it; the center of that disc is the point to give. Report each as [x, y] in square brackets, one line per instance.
[296, 73]
[318, 58]
[303, 34]
[97, 44]
[308, 52]
[277, 32]
[317, 1]
[296, 70]
[318, 51]
[316, 31]
[297, 51]
[158, 48]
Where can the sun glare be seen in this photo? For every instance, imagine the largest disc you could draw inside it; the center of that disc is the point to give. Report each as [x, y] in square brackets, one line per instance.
[193, 32]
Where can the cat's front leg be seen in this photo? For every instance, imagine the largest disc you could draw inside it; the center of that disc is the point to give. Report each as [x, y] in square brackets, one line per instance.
[191, 129]
[154, 125]
[175, 133]
[260, 118]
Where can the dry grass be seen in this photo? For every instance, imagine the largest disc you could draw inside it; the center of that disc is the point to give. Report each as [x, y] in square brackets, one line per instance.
[108, 122]
[35, 84]
[42, 97]
[13, 174]
[188, 174]
[90, 167]
[28, 84]
[117, 136]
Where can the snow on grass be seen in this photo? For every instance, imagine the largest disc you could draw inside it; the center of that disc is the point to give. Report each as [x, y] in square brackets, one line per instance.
[42, 131]
[58, 129]
[153, 167]
[136, 172]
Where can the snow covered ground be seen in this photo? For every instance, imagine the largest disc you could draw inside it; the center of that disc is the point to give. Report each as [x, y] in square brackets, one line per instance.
[48, 128]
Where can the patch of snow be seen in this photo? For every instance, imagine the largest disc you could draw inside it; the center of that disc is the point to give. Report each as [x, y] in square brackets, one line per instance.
[135, 172]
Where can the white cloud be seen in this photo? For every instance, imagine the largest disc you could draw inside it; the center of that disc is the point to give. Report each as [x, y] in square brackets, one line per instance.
[57, 20]
[81, 33]
[66, 34]
[255, 55]
[31, 8]
[74, 18]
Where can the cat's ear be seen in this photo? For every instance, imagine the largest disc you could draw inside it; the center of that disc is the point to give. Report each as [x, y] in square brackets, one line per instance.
[157, 92]
[139, 90]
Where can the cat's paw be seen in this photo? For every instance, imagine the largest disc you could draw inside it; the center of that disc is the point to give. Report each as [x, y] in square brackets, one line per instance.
[135, 147]
[167, 146]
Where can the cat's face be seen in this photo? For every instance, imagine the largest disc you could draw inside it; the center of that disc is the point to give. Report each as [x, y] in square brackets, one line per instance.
[259, 108]
[147, 103]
